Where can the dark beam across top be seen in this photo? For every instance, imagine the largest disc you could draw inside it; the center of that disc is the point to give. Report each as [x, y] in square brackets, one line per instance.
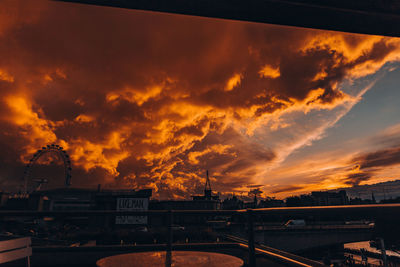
[378, 17]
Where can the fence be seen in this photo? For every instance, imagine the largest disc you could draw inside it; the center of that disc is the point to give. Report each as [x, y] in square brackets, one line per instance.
[357, 211]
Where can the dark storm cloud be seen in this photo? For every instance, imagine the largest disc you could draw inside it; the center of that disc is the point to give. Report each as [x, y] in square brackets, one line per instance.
[291, 188]
[357, 178]
[369, 163]
[381, 158]
[143, 99]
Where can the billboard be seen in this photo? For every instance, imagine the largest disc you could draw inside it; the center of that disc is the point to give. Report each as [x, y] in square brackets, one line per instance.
[132, 204]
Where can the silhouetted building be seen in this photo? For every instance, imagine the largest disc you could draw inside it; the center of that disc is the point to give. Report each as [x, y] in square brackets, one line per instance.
[208, 195]
[208, 201]
[79, 199]
[298, 201]
[319, 198]
[325, 198]
[390, 200]
[270, 203]
[3, 199]
[232, 203]
[61, 199]
[252, 204]
[19, 202]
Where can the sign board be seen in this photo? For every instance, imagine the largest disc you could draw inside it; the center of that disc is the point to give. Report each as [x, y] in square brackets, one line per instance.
[132, 204]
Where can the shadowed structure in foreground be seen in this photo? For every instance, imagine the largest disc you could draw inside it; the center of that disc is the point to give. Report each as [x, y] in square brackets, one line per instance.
[357, 16]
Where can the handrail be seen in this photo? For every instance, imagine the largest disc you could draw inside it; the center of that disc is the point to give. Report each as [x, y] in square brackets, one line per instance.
[368, 210]
[279, 254]
[114, 212]
[377, 210]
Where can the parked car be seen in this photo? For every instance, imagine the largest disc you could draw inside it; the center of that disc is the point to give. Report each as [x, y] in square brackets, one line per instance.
[295, 223]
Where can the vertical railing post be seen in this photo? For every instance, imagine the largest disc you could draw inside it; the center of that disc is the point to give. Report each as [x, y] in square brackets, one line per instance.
[383, 251]
[250, 231]
[168, 255]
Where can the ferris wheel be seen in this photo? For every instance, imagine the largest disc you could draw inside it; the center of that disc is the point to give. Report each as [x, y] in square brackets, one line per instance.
[60, 152]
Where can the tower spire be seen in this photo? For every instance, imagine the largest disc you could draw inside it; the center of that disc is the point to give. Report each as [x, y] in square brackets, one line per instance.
[208, 184]
[207, 188]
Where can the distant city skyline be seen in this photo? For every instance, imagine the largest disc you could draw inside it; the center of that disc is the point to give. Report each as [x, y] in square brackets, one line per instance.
[150, 100]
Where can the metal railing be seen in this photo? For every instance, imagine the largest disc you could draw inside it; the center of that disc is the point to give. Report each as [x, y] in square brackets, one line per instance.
[355, 211]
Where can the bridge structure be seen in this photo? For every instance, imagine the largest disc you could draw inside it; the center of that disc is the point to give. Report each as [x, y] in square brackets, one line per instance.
[312, 237]
[247, 247]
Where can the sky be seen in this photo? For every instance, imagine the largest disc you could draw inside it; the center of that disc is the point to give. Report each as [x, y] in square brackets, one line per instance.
[150, 100]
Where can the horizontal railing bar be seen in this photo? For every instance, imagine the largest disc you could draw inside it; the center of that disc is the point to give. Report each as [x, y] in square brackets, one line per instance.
[114, 212]
[273, 252]
[132, 247]
[276, 256]
[339, 207]
[367, 210]
[175, 246]
[370, 211]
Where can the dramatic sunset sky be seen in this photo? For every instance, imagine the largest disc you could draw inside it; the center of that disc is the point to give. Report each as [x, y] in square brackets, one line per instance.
[150, 100]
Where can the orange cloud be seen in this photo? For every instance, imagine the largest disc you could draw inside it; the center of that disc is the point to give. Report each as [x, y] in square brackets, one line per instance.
[82, 118]
[106, 155]
[32, 127]
[138, 97]
[233, 82]
[152, 100]
[269, 72]
[5, 76]
[218, 149]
